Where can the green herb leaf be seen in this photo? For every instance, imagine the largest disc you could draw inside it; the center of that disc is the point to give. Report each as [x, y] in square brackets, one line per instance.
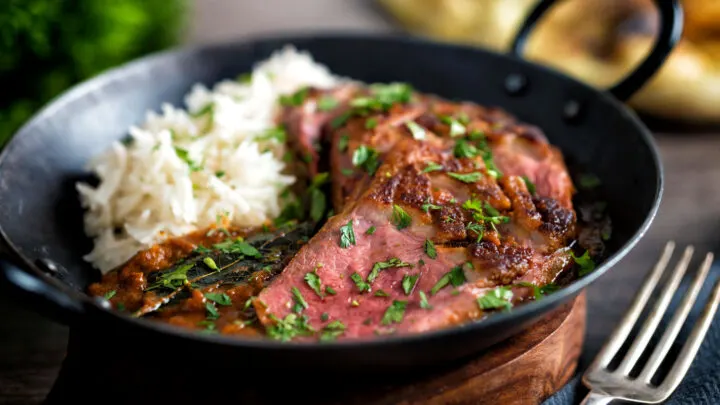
[370, 230]
[455, 276]
[379, 266]
[432, 167]
[466, 177]
[211, 310]
[416, 130]
[347, 235]
[343, 142]
[340, 120]
[529, 184]
[366, 158]
[430, 249]
[589, 181]
[120, 306]
[238, 246]
[300, 302]
[327, 103]
[585, 263]
[424, 304]
[219, 298]
[359, 282]
[108, 295]
[324, 317]
[408, 282]
[330, 290]
[296, 99]
[220, 173]
[394, 313]
[478, 229]
[313, 281]
[464, 149]
[499, 297]
[371, 123]
[347, 172]
[427, 206]
[244, 78]
[381, 293]
[274, 134]
[318, 204]
[332, 331]
[400, 218]
[184, 155]
[207, 109]
[172, 279]
[288, 328]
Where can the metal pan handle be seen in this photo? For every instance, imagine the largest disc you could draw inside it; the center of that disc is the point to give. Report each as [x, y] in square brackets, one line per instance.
[41, 293]
[671, 23]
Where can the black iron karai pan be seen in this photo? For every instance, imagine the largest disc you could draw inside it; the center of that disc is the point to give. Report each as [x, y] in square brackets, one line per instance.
[41, 218]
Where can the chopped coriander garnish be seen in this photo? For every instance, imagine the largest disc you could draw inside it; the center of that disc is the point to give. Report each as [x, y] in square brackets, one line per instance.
[430, 249]
[432, 167]
[456, 126]
[300, 302]
[276, 133]
[327, 103]
[359, 282]
[108, 295]
[366, 158]
[381, 293]
[220, 173]
[371, 123]
[585, 263]
[497, 298]
[211, 310]
[324, 317]
[416, 130]
[340, 120]
[238, 246]
[219, 298]
[330, 290]
[295, 99]
[455, 276]
[318, 204]
[529, 184]
[464, 149]
[466, 177]
[184, 155]
[347, 235]
[427, 206]
[408, 282]
[424, 304]
[210, 263]
[421, 262]
[588, 181]
[207, 109]
[379, 266]
[478, 229]
[332, 331]
[394, 313]
[313, 281]
[120, 306]
[347, 172]
[290, 327]
[400, 218]
[172, 279]
[248, 302]
[370, 230]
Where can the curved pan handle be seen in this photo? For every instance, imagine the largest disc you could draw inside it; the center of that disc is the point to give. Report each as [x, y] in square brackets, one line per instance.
[671, 24]
[43, 294]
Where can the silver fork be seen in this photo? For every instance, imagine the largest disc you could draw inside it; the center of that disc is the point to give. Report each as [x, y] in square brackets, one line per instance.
[607, 385]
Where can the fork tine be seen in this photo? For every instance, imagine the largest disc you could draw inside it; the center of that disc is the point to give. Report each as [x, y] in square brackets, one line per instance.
[691, 346]
[625, 326]
[677, 321]
[653, 320]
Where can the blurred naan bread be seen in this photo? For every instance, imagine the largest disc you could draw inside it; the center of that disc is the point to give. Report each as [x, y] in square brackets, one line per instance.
[598, 41]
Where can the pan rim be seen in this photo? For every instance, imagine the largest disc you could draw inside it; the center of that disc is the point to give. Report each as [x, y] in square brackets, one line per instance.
[575, 287]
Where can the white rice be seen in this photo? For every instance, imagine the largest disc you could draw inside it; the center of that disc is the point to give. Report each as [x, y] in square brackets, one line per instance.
[148, 192]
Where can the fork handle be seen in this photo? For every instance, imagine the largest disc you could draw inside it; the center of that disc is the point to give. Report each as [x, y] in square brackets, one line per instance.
[596, 398]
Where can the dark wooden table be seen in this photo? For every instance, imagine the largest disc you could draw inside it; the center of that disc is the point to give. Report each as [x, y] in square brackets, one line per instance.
[32, 348]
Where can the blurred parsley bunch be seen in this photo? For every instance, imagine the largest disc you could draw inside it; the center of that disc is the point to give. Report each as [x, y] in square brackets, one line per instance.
[48, 45]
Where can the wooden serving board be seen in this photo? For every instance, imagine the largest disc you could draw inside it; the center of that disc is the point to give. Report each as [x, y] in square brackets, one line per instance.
[523, 370]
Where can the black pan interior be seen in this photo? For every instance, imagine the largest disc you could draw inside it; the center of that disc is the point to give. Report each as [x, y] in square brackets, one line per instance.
[40, 215]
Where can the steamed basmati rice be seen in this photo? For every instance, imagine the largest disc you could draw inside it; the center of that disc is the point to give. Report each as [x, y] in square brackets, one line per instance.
[182, 169]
